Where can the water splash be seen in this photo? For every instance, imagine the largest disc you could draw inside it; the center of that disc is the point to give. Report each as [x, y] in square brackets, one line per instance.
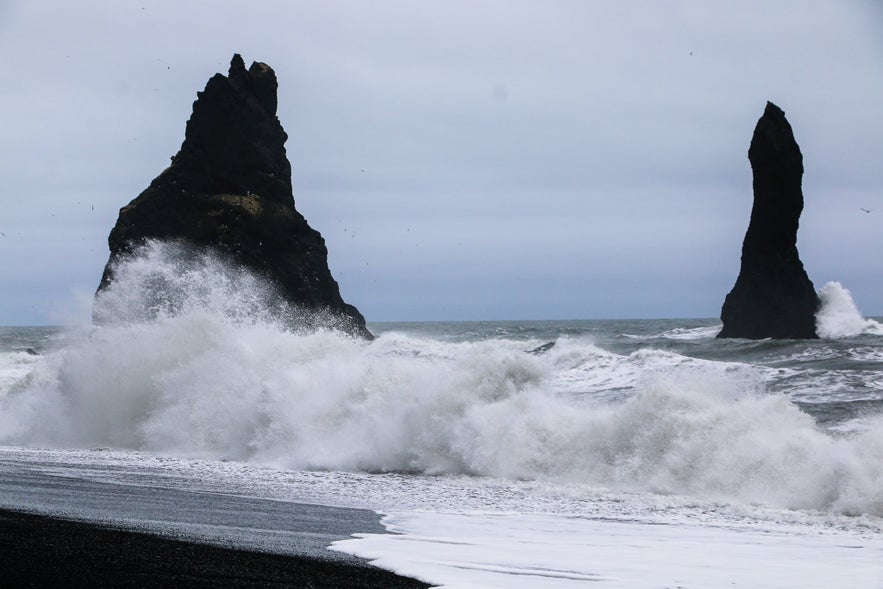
[839, 316]
[213, 373]
[161, 280]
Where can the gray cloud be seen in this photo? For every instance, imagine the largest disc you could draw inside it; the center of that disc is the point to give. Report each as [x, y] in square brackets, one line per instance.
[521, 159]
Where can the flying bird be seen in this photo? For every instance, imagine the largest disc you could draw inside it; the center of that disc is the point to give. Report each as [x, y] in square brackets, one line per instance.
[866, 210]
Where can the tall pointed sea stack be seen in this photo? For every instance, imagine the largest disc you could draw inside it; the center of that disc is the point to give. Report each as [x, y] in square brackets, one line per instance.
[773, 297]
[229, 189]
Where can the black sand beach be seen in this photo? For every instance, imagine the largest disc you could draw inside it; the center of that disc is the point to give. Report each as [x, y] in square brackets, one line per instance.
[149, 536]
[40, 551]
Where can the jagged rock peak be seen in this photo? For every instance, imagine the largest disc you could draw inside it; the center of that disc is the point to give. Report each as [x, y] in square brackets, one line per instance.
[773, 297]
[259, 81]
[237, 66]
[228, 189]
[233, 135]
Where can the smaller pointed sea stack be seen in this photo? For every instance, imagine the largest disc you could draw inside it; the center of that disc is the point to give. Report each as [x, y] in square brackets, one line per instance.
[773, 297]
[228, 190]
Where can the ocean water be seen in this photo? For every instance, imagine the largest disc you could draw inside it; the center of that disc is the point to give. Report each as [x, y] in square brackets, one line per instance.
[639, 453]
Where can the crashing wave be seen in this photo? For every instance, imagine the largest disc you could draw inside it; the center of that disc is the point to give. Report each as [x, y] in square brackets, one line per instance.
[214, 375]
[839, 316]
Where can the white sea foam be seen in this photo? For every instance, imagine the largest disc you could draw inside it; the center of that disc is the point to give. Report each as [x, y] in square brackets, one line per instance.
[461, 531]
[691, 333]
[542, 551]
[189, 386]
[839, 316]
[212, 375]
[681, 333]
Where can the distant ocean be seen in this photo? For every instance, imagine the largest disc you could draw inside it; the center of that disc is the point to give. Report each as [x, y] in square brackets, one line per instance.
[640, 453]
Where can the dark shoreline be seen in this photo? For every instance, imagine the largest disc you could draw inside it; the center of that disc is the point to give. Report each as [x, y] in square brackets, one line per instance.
[41, 551]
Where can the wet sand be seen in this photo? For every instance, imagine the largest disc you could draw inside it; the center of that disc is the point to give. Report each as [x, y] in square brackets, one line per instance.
[41, 551]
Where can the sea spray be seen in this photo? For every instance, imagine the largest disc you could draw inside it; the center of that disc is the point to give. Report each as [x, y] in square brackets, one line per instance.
[839, 316]
[161, 280]
[215, 375]
[191, 387]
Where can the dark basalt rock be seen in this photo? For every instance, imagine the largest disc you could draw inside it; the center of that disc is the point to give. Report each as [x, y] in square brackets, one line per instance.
[229, 189]
[542, 349]
[773, 297]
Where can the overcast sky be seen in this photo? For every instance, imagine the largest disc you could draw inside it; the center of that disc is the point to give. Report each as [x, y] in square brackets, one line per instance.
[463, 159]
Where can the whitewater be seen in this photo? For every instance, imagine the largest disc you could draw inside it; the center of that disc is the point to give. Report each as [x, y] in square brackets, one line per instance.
[629, 454]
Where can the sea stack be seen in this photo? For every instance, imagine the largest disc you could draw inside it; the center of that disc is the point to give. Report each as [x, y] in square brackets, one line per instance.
[773, 297]
[228, 189]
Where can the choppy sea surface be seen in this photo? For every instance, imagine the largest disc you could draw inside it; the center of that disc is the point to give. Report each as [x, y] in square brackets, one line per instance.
[640, 453]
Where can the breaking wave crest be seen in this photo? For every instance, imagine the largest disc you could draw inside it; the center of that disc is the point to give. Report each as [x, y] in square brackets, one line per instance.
[839, 317]
[227, 381]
